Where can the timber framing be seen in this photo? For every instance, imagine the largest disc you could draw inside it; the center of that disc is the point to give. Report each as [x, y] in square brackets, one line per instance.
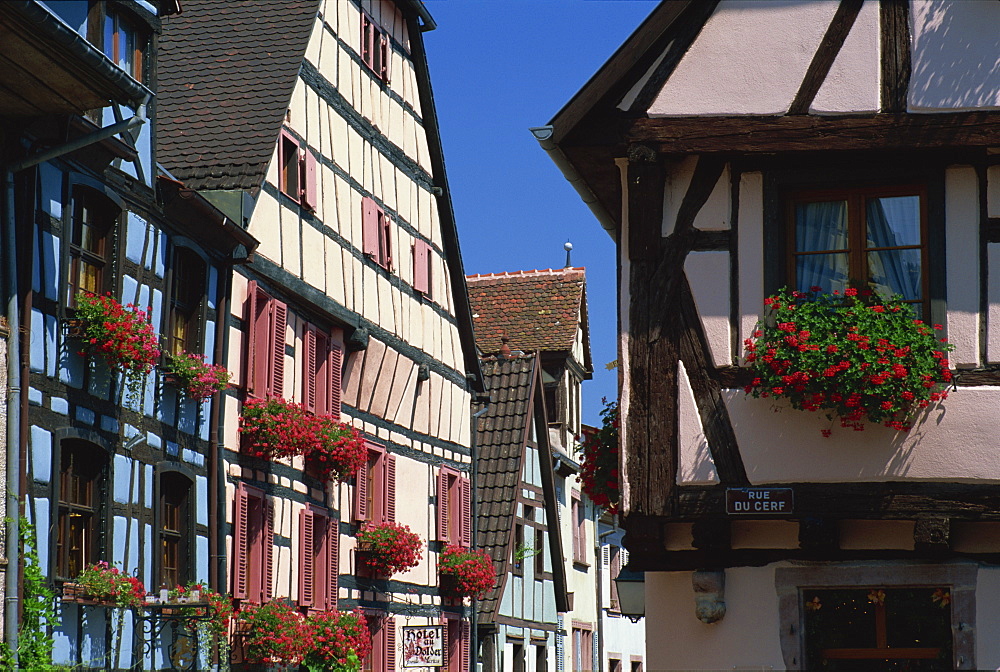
[824, 57]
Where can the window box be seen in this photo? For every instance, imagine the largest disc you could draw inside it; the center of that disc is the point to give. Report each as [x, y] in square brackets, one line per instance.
[388, 548]
[73, 327]
[465, 573]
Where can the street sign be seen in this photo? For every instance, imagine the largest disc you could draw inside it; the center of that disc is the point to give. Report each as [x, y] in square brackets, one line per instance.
[759, 501]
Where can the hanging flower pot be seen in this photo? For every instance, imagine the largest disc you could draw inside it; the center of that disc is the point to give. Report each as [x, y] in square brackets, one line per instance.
[388, 548]
[464, 572]
[196, 378]
[340, 641]
[599, 467]
[857, 356]
[105, 584]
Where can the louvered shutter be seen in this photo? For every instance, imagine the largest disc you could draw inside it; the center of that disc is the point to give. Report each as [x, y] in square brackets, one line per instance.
[442, 507]
[421, 274]
[446, 643]
[465, 487]
[240, 506]
[307, 563]
[259, 334]
[268, 580]
[464, 664]
[336, 362]
[310, 394]
[390, 644]
[369, 228]
[390, 488]
[332, 562]
[309, 199]
[361, 491]
[276, 381]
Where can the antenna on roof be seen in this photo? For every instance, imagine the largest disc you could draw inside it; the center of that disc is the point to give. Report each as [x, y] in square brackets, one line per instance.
[569, 248]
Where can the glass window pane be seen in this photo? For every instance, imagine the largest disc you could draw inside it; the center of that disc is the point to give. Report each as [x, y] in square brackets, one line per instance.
[893, 221]
[821, 226]
[827, 271]
[919, 618]
[896, 272]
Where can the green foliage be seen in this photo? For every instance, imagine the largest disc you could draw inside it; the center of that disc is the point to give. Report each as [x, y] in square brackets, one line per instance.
[525, 551]
[38, 616]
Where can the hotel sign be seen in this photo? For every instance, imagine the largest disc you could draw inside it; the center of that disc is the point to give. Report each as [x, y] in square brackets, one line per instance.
[423, 646]
[758, 501]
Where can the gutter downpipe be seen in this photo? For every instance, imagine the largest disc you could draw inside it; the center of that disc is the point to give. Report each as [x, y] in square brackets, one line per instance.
[12, 577]
[473, 455]
[219, 480]
[543, 134]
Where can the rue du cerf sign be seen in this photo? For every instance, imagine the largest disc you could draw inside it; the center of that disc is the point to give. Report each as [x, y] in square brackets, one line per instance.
[757, 501]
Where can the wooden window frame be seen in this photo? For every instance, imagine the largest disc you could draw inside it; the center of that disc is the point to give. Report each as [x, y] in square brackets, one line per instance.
[184, 536]
[253, 545]
[538, 551]
[94, 511]
[120, 25]
[322, 366]
[191, 310]
[375, 487]
[318, 558]
[856, 198]
[376, 233]
[583, 650]
[297, 168]
[109, 215]
[454, 508]
[266, 322]
[376, 51]
[579, 523]
[456, 641]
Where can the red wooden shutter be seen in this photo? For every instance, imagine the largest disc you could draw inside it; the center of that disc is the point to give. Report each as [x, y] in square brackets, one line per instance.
[385, 231]
[334, 370]
[465, 488]
[369, 228]
[361, 492]
[446, 643]
[279, 320]
[386, 55]
[464, 663]
[307, 563]
[309, 199]
[390, 488]
[442, 510]
[258, 340]
[421, 275]
[366, 39]
[332, 561]
[240, 543]
[390, 644]
[309, 392]
[267, 583]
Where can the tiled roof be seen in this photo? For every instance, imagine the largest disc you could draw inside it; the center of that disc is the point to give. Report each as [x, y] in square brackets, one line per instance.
[500, 445]
[535, 310]
[225, 70]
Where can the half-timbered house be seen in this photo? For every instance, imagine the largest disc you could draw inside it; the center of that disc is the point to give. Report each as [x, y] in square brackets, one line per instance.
[733, 148]
[519, 619]
[104, 470]
[315, 128]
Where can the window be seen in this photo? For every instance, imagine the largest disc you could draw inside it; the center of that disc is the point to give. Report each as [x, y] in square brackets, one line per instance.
[296, 170]
[583, 647]
[861, 237]
[253, 545]
[82, 481]
[454, 508]
[321, 379]
[94, 217]
[382, 657]
[907, 627]
[318, 559]
[175, 530]
[124, 44]
[375, 51]
[614, 665]
[187, 297]
[539, 552]
[518, 550]
[636, 665]
[375, 490]
[579, 531]
[614, 567]
[266, 321]
[422, 260]
[456, 643]
[376, 234]
[541, 657]
[517, 654]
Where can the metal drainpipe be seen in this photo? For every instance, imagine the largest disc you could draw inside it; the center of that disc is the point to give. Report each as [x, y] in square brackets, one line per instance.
[220, 472]
[12, 582]
[474, 618]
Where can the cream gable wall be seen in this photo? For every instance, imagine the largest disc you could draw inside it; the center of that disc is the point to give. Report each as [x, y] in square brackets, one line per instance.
[853, 85]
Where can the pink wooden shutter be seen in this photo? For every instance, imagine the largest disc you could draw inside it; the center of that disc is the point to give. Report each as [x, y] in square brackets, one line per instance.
[276, 382]
[465, 488]
[421, 277]
[240, 543]
[390, 488]
[309, 199]
[366, 39]
[320, 373]
[390, 644]
[309, 391]
[307, 564]
[332, 562]
[442, 509]
[446, 643]
[369, 228]
[385, 231]
[386, 54]
[464, 664]
[259, 341]
[268, 582]
[334, 371]
[361, 492]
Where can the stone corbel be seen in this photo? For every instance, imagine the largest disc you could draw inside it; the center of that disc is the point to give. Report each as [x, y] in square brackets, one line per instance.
[709, 595]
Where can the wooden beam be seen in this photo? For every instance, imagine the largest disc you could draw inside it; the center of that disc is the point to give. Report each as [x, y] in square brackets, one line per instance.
[712, 241]
[894, 20]
[711, 534]
[818, 533]
[826, 54]
[932, 533]
[692, 135]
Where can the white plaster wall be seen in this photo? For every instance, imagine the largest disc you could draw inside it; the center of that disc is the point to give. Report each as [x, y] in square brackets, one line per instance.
[993, 316]
[708, 274]
[747, 638]
[953, 441]
[751, 253]
[695, 464]
[852, 85]
[749, 58]
[987, 619]
[961, 188]
[955, 55]
[713, 215]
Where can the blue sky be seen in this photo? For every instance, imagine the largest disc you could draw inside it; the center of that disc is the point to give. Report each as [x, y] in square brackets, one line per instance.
[499, 68]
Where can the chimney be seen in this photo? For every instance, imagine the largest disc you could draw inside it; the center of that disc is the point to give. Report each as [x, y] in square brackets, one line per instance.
[504, 348]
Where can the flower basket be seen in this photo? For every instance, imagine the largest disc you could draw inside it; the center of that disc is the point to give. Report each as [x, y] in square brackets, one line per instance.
[72, 592]
[464, 572]
[103, 583]
[273, 633]
[211, 621]
[857, 356]
[340, 641]
[121, 335]
[599, 466]
[195, 377]
[388, 548]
